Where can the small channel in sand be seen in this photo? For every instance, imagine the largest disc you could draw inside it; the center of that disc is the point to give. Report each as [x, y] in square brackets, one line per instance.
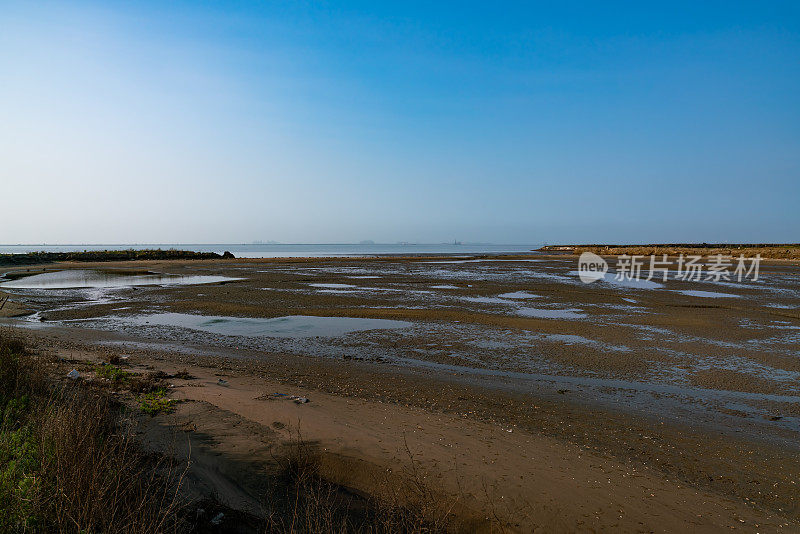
[97, 278]
[292, 326]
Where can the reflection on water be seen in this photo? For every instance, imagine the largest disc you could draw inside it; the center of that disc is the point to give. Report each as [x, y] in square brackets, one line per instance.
[96, 278]
[289, 326]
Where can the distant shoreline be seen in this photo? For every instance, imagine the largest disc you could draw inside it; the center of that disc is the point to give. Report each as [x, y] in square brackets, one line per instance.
[34, 258]
[766, 250]
[288, 250]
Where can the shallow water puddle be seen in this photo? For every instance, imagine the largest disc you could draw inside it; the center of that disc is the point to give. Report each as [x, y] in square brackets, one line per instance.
[519, 295]
[349, 288]
[571, 339]
[708, 294]
[96, 278]
[486, 300]
[289, 326]
[479, 261]
[334, 286]
[540, 313]
[631, 283]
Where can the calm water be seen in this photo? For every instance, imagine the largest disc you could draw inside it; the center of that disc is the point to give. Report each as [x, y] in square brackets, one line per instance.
[289, 326]
[92, 278]
[287, 251]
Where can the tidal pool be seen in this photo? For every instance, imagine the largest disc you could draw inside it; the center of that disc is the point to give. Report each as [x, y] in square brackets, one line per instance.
[709, 294]
[487, 300]
[288, 326]
[334, 286]
[624, 282]
[519, 295]
[106, 278]
[540, 313]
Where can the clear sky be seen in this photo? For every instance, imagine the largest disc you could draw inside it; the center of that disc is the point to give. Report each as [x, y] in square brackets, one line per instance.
[208, 122]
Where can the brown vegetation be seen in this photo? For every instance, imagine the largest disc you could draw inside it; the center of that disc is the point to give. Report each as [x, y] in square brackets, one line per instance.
[313, 504]
[33, 258]
[767, 251]
[69, 461]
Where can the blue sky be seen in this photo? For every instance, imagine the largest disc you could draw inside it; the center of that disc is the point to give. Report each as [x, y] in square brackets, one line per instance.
[414, 121]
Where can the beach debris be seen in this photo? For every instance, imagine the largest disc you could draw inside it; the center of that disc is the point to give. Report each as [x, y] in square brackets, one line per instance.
[278, 396]
[272, 396]
[74, 374]
[223, 383]
[217, 519]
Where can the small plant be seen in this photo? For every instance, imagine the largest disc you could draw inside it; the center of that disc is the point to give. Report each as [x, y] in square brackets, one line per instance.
[112, 373]
[156, 402]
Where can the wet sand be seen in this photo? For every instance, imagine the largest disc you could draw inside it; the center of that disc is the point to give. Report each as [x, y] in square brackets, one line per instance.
[540, 400]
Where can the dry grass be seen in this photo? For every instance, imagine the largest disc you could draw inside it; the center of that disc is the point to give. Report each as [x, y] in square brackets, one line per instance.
[88, 451]
[69, 461]
[313, 504]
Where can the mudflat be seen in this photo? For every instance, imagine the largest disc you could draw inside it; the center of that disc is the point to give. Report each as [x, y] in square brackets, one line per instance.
[527, 398]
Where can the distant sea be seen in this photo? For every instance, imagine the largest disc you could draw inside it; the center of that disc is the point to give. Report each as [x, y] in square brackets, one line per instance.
[292, 250]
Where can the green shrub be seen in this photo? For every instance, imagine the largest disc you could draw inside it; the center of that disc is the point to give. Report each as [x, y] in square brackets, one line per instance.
[19, 480]
[111, 372]
[156, 402]
[19, 462]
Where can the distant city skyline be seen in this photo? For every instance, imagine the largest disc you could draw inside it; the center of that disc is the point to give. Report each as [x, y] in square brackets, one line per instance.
[524, 123]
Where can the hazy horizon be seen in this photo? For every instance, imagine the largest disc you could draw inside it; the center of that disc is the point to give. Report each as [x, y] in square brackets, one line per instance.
[336, 123]
[380, 243]
[361, 242]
